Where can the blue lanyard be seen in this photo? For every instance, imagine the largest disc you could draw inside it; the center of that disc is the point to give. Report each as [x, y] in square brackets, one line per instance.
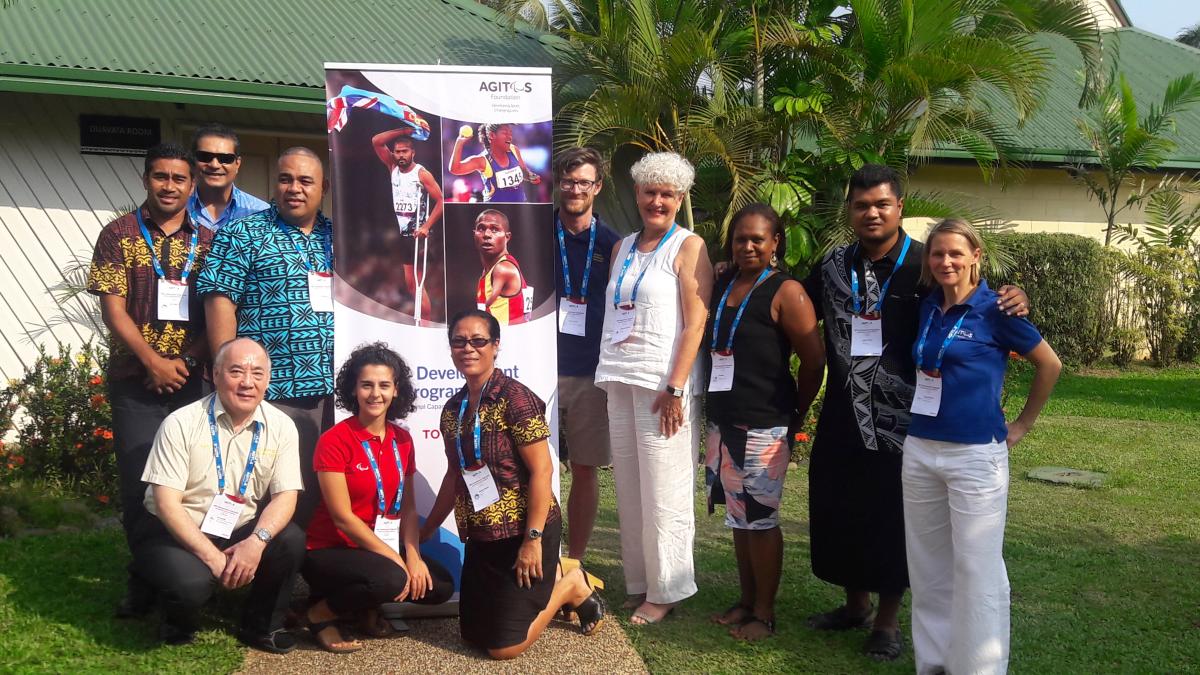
[304, 255]
[251, 459]
[379, 478]
[462, 413]
[587, 269]
[737, 318]
[884, 289]
[629, 259]
[158, 269]
[945, 343]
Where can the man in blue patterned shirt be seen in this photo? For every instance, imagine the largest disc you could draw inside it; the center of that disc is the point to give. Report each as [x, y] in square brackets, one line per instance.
[269, 278]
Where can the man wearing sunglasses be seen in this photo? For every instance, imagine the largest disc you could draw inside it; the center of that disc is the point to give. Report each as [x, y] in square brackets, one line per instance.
[217, 200]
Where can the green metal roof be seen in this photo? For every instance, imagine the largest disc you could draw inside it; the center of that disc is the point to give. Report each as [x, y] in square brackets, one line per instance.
[1149, 63]
[244, 53]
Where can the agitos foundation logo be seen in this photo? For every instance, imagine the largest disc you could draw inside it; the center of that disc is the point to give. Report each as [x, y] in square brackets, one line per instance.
[499, 87]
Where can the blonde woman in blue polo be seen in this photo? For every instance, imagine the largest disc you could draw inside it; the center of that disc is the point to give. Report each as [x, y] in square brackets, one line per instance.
[955, 472]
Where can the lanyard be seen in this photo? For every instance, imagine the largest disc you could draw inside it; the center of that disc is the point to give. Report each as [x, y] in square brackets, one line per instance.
[304, 255]
[379, 478]
[158, 269]
[945, 343]
[629, 259]
[737, 318]
[462, 412]
[884, 289]
[251, 459]
[587, 269]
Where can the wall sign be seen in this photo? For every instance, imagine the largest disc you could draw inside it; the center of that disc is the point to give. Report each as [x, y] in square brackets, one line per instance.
[110, 135]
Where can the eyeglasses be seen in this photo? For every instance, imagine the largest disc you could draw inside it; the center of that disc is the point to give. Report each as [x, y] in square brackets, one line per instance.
[477, 343]
[204, 157]
[568, 185]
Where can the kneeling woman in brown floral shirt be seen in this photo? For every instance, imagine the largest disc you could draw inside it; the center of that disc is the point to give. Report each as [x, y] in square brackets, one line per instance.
[498, 482]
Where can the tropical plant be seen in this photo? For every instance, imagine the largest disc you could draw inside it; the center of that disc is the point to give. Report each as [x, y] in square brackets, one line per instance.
[1122, 146]
[1190, 36]
[1170, 221]
[666, 76]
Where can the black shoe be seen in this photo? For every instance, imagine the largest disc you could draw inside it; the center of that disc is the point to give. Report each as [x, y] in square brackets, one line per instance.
[176, 636]
[138, 602]
[278, 641]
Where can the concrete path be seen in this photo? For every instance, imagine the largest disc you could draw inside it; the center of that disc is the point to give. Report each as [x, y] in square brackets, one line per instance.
[433, 646]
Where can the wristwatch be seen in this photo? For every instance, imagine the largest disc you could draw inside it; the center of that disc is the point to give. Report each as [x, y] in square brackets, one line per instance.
[263, 535]
[189, 361]
[534, 533]
[677, 392]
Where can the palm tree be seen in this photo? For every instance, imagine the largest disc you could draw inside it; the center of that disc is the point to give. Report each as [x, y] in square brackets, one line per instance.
[654, 75]
[1124, 146]
[1190, 36]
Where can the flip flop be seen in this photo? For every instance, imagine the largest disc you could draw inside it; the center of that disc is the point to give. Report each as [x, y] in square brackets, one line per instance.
[884, 645]
[640, 618]
[841, 619]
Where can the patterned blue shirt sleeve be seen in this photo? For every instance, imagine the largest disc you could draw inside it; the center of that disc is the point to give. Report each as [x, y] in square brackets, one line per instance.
[228, 263]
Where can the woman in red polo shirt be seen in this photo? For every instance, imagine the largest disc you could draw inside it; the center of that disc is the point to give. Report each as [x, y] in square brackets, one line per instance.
[363, 538]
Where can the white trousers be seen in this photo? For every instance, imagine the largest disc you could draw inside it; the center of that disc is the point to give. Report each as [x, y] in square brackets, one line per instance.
[655, 478]
[955, 504]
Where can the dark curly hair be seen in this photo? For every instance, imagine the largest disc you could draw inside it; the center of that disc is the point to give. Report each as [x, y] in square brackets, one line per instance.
[376, 354]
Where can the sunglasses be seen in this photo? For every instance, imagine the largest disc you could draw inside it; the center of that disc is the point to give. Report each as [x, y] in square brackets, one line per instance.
[204, 157]
[477, 343]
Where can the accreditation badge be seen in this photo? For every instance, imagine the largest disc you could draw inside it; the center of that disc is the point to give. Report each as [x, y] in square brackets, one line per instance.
[172, 300]
[721, 378]
[320, 291]
[481, 486]
[928, 398]
[866, 335]
[222, 516]
[622, 325]
[572, 317]
[387, 528]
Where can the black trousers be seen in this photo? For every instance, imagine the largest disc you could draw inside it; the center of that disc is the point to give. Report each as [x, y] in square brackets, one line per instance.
[313, 416]
[136, 415]
[183, 583]
[352, 579]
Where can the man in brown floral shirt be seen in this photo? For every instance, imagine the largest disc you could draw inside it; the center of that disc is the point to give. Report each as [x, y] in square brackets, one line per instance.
[144, 270]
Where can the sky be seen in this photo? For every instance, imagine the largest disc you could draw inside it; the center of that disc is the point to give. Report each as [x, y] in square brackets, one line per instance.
[1165, 17]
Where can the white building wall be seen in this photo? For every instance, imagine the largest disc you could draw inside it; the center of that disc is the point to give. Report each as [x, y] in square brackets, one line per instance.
[54, 201]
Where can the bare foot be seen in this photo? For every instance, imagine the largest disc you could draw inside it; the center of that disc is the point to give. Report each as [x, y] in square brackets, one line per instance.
[754, 629]
[732, 616]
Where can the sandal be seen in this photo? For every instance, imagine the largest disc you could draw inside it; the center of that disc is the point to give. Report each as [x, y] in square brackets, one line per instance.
[737, 631]
[591, 611]
[884, 645]
[316, 628]
[724, 619]
[372, 624]
[841, 619]
[641, 618]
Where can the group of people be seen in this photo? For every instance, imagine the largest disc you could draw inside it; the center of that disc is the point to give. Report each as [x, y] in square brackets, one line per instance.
[252, 483]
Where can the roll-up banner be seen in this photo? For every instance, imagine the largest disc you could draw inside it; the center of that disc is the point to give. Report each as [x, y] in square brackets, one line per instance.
[441, 200]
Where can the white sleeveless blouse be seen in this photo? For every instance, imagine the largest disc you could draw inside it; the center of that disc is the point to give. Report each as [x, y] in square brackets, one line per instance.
[644, 358]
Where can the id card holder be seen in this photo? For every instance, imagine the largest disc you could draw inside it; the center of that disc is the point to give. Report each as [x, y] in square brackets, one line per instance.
[172, 300]
[320, 291]
[623, 324]
[387, 528]
[721, 378]
[927, 400]
[866, 335]
[572, 317]
[481, 486]
[222, 516]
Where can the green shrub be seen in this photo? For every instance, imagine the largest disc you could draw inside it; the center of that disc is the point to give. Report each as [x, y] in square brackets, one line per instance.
[63, 422]
[1162, 281]
[1189, 347]
[1067, 277]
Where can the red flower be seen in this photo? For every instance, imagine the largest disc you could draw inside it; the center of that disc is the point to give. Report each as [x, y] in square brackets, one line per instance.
[107, 435]
[801, 437]
[98, 400]
[19, 459]
[96, 380]
[79, 446]
[103, 499]
[98, 432]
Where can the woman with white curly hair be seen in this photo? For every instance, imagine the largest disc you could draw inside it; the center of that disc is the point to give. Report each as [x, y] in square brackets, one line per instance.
[657, 298]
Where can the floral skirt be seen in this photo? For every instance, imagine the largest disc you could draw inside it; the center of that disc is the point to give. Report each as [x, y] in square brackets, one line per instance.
[744, 470]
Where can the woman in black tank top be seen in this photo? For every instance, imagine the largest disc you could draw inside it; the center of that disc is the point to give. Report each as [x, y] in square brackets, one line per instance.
[759, 317]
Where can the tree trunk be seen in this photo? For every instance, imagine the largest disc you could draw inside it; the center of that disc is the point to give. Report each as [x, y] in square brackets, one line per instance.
[688, 220]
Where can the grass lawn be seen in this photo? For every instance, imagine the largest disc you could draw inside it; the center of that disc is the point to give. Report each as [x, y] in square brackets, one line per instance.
[1103, 580]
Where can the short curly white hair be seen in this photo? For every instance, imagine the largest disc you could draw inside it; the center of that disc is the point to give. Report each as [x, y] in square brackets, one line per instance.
[664, 168]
